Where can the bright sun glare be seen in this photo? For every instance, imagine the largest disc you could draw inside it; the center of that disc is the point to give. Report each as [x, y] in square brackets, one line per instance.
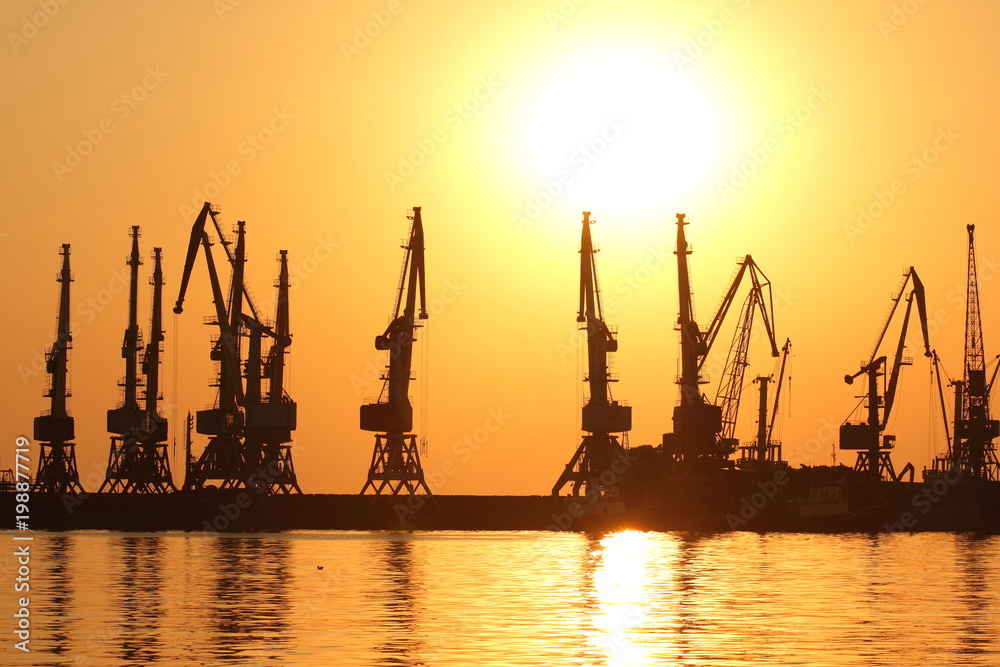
[630, 132]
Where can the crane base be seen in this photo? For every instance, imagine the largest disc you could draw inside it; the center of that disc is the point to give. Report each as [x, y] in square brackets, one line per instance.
[57, 471]
[876, 465]
[137, 467]
[597, 466]
[274, 472]
[395, 466]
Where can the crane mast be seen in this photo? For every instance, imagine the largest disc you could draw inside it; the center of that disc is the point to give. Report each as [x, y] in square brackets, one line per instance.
[271, 417]
[867, 437]
[592, 465]
[764, 451]
[57, 471]
[974, 451]
[137, 461]
[156, 426]
[395, 465]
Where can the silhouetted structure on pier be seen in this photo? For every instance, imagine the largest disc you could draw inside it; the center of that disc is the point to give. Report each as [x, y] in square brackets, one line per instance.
[593, 466]
[57, 471]
[137, 461]
[395, 465]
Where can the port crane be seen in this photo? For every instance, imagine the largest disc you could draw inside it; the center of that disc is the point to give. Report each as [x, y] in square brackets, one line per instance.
[764, 451]
[137, 461]
[271, 416]
[971, 450]
[249, 436]
[55, 429]
[731, 388]
[867, 437]
[704, 430]
[592, 465]
[395, 465]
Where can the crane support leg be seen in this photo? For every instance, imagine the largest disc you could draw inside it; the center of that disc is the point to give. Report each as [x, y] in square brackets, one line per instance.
[395, 466]
[57, 469]
[592, 467]
[137, 467]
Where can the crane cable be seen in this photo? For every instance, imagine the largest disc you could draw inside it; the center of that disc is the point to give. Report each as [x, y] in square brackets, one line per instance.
[174, 395]
[425, 391]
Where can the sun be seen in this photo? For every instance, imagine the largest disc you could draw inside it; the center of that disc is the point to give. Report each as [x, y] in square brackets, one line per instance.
[621, 130]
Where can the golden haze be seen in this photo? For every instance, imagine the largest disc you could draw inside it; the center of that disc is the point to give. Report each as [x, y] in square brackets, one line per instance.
[670, 98]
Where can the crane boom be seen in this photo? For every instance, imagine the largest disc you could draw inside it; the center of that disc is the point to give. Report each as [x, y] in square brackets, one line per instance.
[591, 464]
[395, 460]
[785, 350]
[867, 437]
[130, 344]
[600, 340]
[699, 425]
[151, 358]
[127, 417]
[731, 388]
[57, 470]
[398, 337]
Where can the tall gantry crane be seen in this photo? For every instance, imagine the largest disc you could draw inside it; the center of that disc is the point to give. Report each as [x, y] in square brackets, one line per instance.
[592, 464]
[973, 451]
[395, 464]
[137, 462]
[702, 429]
[57, 472]
[867, 437]
[262, 461]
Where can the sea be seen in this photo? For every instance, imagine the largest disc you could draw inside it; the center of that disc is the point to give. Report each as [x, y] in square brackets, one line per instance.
[501, 598]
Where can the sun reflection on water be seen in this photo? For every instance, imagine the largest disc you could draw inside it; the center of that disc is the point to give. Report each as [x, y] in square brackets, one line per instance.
[622, 596]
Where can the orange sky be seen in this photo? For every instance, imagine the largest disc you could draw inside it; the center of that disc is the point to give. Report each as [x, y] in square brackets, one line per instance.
[769, 124]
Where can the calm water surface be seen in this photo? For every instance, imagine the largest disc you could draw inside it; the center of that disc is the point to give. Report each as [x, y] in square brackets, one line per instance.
[521, 599]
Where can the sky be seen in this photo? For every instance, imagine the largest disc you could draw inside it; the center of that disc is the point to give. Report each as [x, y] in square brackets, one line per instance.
[836, 143]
